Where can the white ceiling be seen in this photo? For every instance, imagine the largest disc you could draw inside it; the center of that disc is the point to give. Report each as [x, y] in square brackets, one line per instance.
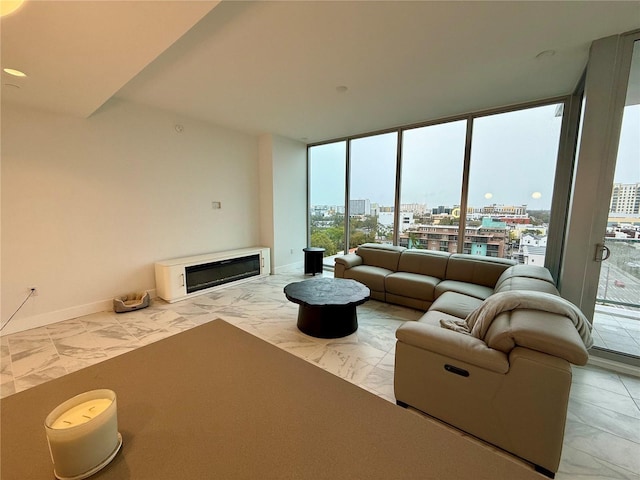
[274, 66]
[77, 54]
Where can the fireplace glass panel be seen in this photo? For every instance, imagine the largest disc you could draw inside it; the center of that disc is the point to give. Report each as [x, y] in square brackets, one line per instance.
[200, 277]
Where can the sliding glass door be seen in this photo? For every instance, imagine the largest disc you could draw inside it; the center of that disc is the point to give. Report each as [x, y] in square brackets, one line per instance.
[616, 319]
[598, 271]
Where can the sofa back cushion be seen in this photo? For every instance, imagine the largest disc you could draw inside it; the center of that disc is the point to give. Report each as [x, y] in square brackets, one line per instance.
[526, 283]
[384, 256]
[525, 271]
[526, 277]
[475, 269]
[424, 262]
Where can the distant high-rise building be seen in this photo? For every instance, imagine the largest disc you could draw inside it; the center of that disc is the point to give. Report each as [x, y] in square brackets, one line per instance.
[415, 208]
[625, 198]
[441, 209]
[506, 213]
[488, 240]
[360, 207]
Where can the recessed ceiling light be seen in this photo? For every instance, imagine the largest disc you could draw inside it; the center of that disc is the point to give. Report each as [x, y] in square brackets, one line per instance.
[14, 72]
[9, 6]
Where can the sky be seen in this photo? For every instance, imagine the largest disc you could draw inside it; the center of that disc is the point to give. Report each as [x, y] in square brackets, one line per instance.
[513, 159]
[628, 161]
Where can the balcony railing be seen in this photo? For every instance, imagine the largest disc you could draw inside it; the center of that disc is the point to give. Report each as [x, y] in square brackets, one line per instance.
[619, 282]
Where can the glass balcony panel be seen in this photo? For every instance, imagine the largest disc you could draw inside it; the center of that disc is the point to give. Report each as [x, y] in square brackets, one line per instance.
[616, 323]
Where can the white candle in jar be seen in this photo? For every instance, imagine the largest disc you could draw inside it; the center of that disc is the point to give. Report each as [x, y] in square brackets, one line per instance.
[83, 434]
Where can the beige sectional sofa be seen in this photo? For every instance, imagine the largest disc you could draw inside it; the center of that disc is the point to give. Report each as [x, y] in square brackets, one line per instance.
[416, 278]
[492, 354]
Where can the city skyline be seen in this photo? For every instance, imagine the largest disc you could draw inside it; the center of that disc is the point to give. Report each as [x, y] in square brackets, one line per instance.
[427, 207]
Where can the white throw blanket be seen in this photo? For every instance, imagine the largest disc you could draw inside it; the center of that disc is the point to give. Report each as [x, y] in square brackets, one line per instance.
[478, 322]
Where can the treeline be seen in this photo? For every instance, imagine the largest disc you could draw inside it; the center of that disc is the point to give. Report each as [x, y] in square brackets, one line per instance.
[328, 232]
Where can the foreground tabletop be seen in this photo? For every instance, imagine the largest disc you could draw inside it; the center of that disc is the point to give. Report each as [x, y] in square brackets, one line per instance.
[217, 402]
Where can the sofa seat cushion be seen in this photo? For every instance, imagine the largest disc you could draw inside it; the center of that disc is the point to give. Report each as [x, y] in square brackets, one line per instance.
[526, 283]
[411, 285]
[471, 289]
[372, 277]
[456, 304]
[427, 334]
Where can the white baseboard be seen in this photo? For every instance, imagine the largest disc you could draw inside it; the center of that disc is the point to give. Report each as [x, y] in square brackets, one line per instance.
[614, 366]
[43, 319]
[296, 267]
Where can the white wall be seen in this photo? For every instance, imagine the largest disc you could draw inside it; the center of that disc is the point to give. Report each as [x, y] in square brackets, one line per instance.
[88, 205]
[283, 199]
[289, 201]
[265, 161]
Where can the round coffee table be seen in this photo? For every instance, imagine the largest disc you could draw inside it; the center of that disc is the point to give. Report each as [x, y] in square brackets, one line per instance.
[327, 305]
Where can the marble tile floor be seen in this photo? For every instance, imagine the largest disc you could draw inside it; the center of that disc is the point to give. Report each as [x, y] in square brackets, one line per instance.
[617, 329]
[602, 438]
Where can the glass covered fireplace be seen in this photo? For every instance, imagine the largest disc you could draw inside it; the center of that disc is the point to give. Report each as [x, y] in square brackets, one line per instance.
[207, 275]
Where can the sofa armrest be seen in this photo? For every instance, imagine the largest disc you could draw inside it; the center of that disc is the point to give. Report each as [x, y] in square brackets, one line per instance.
[457, 346]
[350, 260]
[345, 262]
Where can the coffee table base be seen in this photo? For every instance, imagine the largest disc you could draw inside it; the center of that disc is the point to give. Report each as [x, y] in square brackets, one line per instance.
[327, 321]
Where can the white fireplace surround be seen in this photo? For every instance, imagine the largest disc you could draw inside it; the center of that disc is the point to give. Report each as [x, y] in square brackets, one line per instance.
[171, 275]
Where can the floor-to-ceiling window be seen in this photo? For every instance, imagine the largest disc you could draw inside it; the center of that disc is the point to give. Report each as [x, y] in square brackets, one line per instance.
[327, 170]
[492, 172]
[496, 179]
[372, 186]
[511, 179]
[431, 186]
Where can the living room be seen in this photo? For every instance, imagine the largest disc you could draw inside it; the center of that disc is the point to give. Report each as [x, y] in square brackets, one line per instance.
[100, 180]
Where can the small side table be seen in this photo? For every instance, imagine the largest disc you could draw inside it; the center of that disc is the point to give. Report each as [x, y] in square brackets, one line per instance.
[313, 260]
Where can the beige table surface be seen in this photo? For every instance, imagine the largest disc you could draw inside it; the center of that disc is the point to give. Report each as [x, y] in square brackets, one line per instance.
[215, 402]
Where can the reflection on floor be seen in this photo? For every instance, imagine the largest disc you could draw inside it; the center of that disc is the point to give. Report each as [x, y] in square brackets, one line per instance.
[602, 438]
